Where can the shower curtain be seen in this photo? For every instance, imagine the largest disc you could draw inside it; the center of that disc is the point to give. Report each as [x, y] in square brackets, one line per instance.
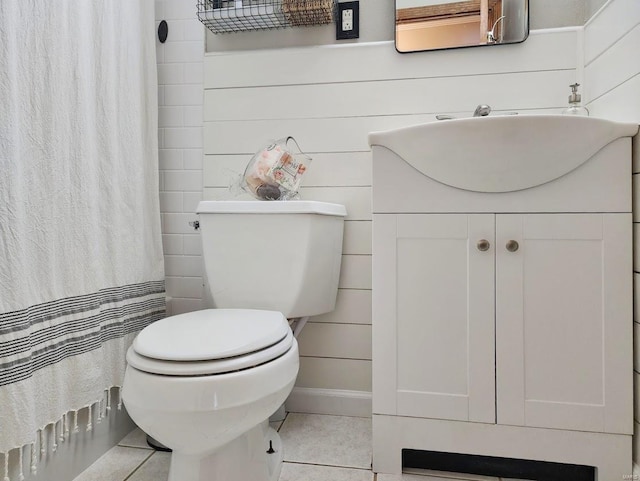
[81, 265]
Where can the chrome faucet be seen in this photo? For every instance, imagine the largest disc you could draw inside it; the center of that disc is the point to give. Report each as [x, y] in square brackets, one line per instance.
[491, 34]
[482, 111]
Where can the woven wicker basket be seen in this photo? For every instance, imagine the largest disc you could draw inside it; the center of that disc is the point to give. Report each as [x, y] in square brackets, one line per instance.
[308, 12]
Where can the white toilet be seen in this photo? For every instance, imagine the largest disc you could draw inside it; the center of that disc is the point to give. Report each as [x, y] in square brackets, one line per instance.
[205, 383]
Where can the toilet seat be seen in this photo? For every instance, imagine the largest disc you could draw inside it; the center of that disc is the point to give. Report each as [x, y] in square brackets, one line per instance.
[212, 341]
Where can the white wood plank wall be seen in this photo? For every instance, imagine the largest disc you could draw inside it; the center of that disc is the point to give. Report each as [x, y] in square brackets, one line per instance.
[329, 98]
[612, 78]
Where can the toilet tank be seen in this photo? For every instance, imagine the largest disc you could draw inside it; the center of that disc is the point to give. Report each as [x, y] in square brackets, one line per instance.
[281, 256]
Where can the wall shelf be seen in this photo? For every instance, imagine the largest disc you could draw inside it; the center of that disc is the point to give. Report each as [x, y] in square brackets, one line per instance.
[225, 16]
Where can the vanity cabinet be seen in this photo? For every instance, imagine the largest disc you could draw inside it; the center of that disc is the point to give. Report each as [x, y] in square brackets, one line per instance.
[505, 318]
[434, 345]
[502, 292]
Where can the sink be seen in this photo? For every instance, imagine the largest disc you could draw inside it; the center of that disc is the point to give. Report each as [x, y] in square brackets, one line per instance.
[501, 154]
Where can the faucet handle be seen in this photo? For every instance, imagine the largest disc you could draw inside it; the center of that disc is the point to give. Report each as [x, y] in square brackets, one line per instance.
[482, 111]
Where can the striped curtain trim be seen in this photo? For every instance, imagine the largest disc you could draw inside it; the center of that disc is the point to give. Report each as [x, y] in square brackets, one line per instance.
[47, 333]
[22, 319]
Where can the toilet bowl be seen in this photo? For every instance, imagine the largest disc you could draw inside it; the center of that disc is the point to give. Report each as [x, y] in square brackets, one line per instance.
[209, 401]
[205, 383]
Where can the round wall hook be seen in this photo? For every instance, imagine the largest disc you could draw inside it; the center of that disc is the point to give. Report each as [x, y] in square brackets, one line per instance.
[163, 31]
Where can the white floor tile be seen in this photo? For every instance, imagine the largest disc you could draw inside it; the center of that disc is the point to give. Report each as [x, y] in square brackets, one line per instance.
[311, 472]
[135, 439]
[330, 440]
[115, 465]
[156, 468]
[316, 448]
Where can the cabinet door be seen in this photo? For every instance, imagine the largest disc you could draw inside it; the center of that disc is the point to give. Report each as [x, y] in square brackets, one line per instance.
[564, 321]
[433, 316]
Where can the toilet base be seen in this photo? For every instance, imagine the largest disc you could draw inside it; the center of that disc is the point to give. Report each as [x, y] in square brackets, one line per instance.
[245, 458]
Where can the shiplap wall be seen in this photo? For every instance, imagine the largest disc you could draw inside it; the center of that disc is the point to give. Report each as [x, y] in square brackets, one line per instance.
[612, 81]
[329, 98]
[376, 24]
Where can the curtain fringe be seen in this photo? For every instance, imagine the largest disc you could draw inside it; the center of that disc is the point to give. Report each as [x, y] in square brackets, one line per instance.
[58, 434]
[20, 471]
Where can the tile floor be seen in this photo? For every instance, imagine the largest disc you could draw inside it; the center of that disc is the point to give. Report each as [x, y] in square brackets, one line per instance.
[317, 448]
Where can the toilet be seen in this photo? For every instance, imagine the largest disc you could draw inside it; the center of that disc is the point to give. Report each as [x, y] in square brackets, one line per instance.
[204, 383]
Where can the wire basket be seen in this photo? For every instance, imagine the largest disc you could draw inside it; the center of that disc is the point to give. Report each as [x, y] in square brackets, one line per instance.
[224, 16]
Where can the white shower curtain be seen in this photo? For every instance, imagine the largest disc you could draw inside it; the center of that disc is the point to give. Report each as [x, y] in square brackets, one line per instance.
[81, 266]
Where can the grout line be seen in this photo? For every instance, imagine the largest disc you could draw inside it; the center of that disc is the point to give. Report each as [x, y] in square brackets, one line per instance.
[136, 447]
[286, 414]
[302, 463]
[139, 466]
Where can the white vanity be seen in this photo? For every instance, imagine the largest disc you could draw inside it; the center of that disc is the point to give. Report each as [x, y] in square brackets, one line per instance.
[502, 291]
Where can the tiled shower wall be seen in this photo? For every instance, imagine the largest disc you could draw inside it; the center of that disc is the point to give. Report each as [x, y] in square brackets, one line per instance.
[612, 81]
[180, 61]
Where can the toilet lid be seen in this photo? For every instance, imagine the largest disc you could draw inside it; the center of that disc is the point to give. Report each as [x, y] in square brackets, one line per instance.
[213, 367]
[211, 334]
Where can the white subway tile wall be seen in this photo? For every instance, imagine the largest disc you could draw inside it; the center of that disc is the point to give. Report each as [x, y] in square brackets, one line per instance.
[180, 100]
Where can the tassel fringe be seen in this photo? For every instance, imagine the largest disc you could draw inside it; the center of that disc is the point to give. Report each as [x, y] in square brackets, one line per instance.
[34, 466]
[6, 467]
[59, 433]
[54, 438]
[20, 471]
[89, 419]
[75, 422]
[43, 451]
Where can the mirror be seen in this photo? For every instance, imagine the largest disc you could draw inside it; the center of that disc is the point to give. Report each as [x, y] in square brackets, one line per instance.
[441, 24]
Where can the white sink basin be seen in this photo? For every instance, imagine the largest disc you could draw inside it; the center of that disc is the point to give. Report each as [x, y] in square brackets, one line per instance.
[501, 154]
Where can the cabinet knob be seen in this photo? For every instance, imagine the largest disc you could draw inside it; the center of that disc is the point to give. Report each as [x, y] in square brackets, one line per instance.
[483, 245]
[512, 245]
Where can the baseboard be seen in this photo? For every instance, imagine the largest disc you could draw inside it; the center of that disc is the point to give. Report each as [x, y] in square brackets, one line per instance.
[329, 401]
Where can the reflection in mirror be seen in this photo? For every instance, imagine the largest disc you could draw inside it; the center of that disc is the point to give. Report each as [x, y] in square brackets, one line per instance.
[439, 24]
